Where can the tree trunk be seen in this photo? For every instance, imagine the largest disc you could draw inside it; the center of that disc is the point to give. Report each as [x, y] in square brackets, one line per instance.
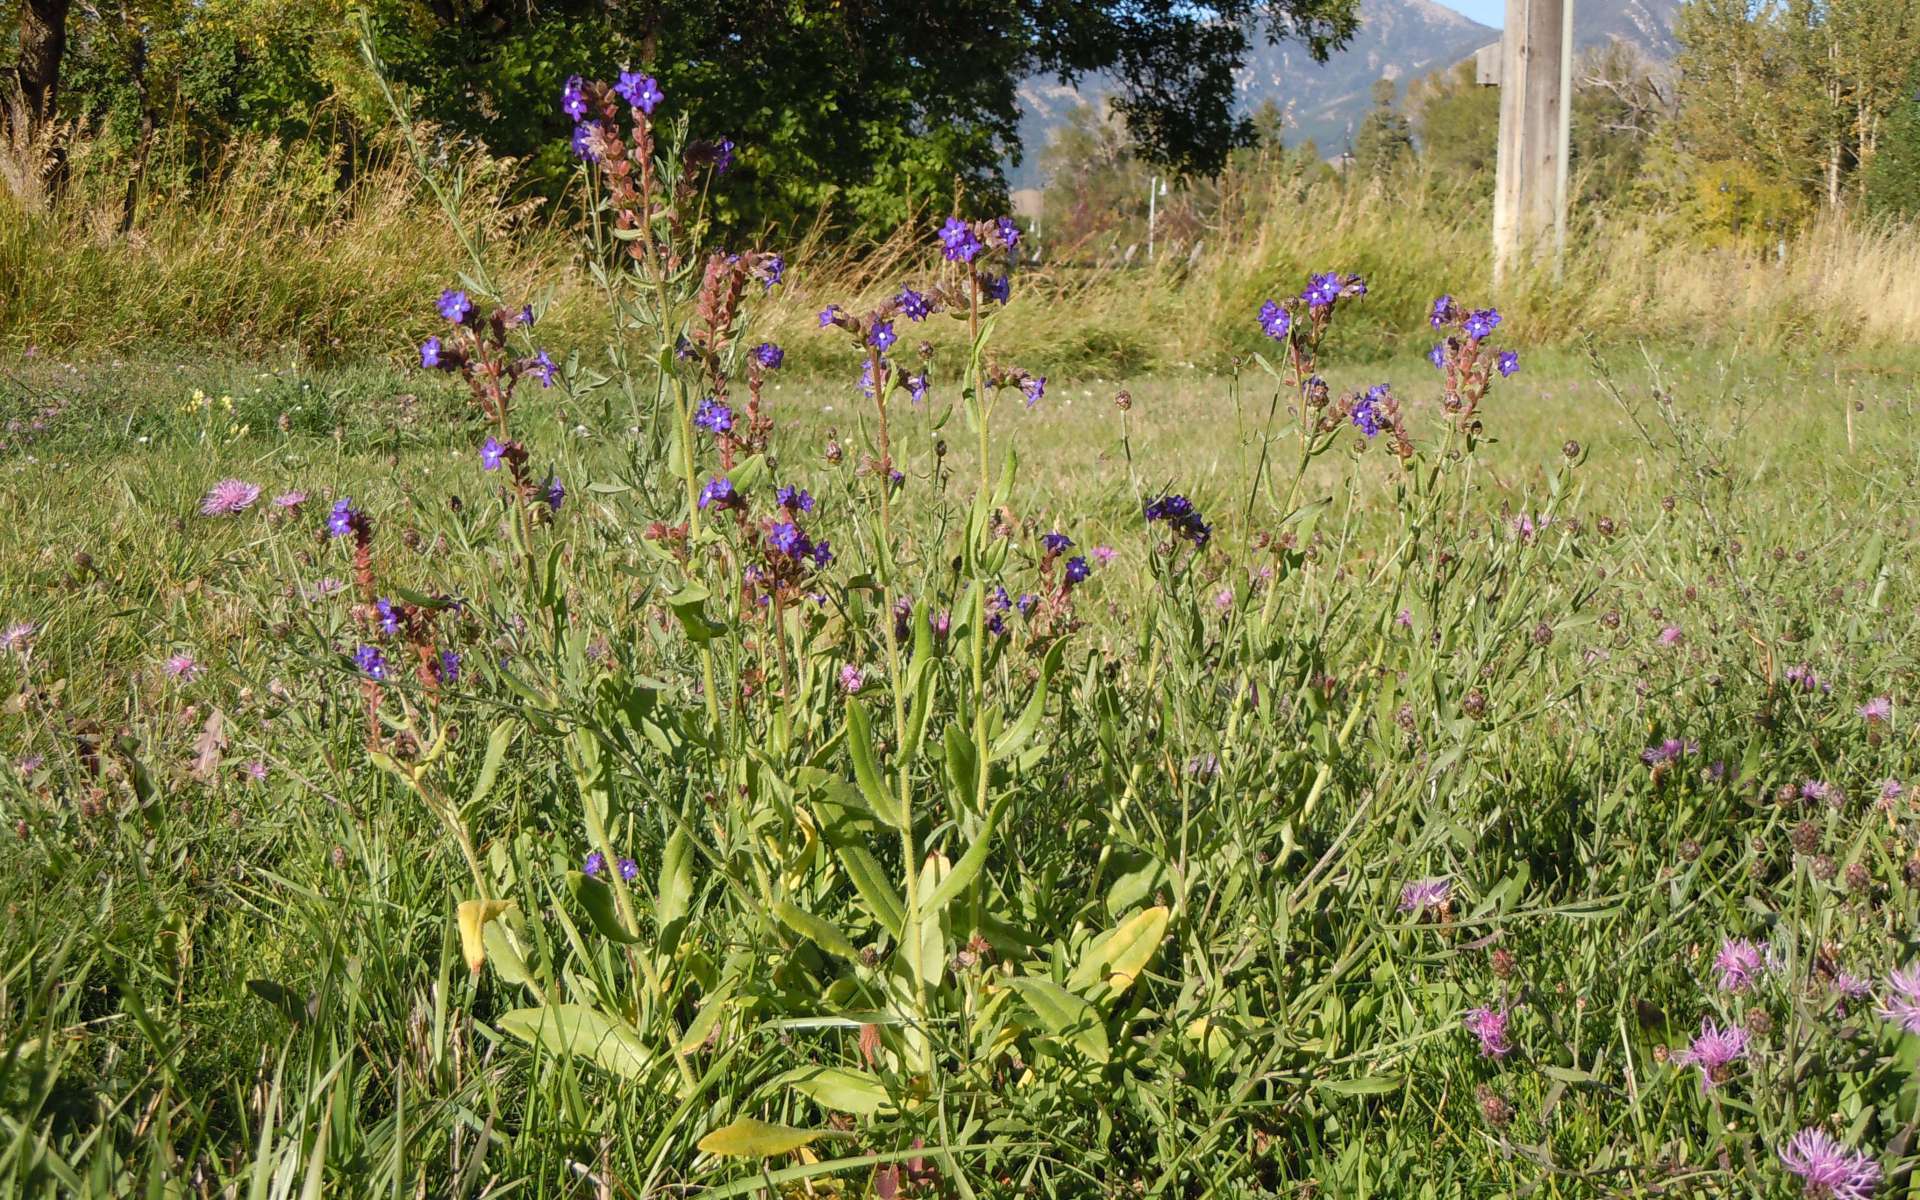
[31, 97]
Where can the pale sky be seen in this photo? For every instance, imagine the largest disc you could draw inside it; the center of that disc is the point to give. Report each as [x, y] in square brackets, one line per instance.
[1487, 12]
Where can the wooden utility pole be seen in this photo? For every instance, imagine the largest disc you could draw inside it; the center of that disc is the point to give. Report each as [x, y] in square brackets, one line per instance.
[1530, 176]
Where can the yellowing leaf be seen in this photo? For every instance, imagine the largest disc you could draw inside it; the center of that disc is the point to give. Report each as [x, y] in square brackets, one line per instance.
[473, 916]
[1120, 954]
[578, 1031]
[748, 1138]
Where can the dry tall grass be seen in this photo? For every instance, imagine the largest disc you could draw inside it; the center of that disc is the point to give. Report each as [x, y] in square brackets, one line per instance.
[275, 255]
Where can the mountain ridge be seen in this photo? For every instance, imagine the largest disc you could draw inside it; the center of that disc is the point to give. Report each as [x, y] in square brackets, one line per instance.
[1325, 102]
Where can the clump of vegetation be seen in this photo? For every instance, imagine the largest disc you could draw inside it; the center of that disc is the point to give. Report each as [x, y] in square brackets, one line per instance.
[645, 787]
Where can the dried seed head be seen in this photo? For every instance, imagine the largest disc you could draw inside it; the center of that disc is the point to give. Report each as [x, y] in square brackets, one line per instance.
[1824, 868]
[1493, 1106]
[1690, 851]
[1859, 879]
[1475, 705]
[1666, 504]
[1542, 634]
[1805, 836]
[1123, 400]
[1610, 620]
[1503, 963]
[1759, 1022]
[1571, 449]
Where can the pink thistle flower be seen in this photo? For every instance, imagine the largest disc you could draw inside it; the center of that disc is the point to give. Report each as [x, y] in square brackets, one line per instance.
[1103, 554]
[292, 499]
[1902, 1005]
[851, 678]
[1829, 1170]
[1672, 636]
[256, 770]
[1490, 1026]
[184, 668]
[1876, 710]
[1714, 1051]
[1739, 963]
[229, 497]
[1426, 895]
[18, 636]
[1890, 792]
[1223, 599]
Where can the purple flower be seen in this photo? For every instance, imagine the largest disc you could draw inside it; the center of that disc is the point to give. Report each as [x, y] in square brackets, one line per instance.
[852, 679]
[1739, 963]
[430, 352]
[723, 156]
[229, 497]
[1026, 603]
[917, 386]
[1077, 569]
[1180, 515]
[713, 416]
[794, 499]
[1880, 708]
[543, 369]
[1902, 1005]
[1442, 312]
[996, 288]
[629, 869]
[718, 491]
[17, 637]
[916, 306]
[449, 667]
[583, 139]
[1829, 1170]
[1056, 543]
[1481, 322]
[1508, 362]
[523, 317]
[455, 306]
[389, 616]
[957, 241]
[639, 90]
[556, 493]
[183, 667]
[342, 518]
[1820, 792]
[492, 454]
[595, 866]
[772, 270]
[370, 662]
[830, 314]
[293, 499]
[1668, 751]
[786, 539]
[1714, 1051]
[1490, 1026]
[1366, 412]
[1008, 230]
[1103, 554]
[881, 336]
[1275, 321]
[1424, 896]
[256, 770]
[769, 356]
[866, 379]
[1321, 290]
[1034, 387]
[573, 98]
[1438, 355]
[822, 555]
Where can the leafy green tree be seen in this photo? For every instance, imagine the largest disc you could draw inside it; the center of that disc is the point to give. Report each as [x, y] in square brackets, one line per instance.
[1385, 139]
[1458, 120]
[870, 111]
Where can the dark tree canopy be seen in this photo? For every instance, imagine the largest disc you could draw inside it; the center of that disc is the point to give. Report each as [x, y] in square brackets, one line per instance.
[869, 108]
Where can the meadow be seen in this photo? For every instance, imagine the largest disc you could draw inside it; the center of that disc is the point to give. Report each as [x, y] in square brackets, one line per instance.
[639, 762]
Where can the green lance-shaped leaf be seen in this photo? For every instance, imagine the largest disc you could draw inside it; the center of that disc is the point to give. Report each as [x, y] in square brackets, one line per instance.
[860, 749]
[876, 891]
[843, 1089]
[577, 1031]
[673, 894]
[967, 869]
[1066, 1015]
[601, 908]
[817, 930]
[498, 742]
[1017, 734]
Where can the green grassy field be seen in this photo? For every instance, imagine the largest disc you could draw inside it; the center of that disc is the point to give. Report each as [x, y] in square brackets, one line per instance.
[1177, 965]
